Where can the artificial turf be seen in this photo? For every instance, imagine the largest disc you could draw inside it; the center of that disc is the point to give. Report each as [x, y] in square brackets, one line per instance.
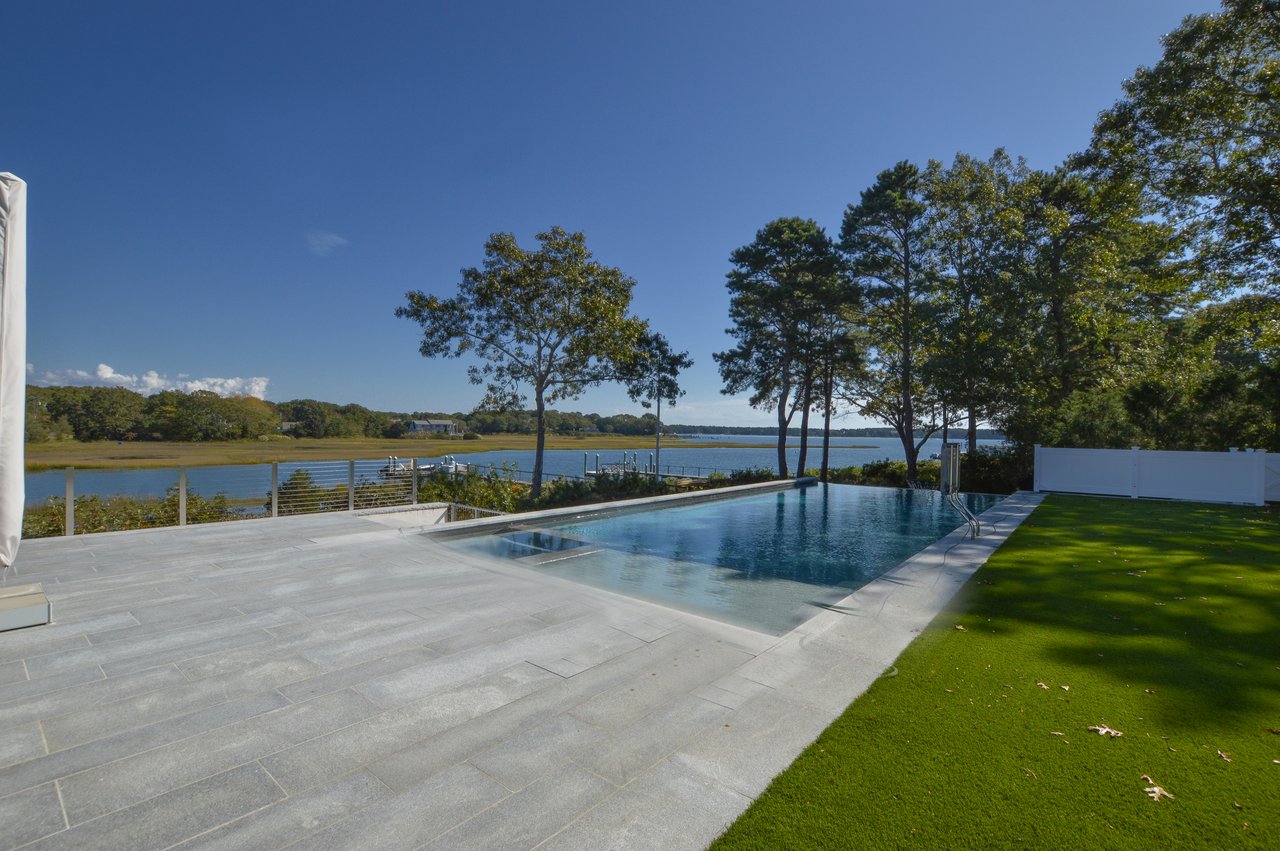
[1160, 620]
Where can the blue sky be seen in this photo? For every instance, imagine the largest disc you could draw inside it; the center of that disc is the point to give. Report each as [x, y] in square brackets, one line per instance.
[229, 191]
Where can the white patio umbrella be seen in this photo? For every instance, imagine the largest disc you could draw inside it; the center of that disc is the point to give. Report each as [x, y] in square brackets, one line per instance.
[13, 359]
[21, 605]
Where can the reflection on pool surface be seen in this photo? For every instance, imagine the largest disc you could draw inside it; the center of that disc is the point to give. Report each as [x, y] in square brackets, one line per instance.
[762, 561]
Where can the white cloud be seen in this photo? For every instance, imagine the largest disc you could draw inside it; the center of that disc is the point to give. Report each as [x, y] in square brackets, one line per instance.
[322, 243]
[151, 382]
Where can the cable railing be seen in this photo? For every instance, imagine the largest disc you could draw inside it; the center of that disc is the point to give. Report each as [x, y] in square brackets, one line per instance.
[215, 494]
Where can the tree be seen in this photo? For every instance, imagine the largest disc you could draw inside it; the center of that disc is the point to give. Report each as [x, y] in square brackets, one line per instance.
[780, 286]
[885, 237]
[310, 417]
[1092, 290]
[975, 231]
[651, 376]
[553, 320]
[1201, 130]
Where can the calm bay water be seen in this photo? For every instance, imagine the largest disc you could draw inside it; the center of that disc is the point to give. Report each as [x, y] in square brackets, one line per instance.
[250, 481]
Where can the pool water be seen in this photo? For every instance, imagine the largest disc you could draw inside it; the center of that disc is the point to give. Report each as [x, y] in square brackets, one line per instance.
[764, 561]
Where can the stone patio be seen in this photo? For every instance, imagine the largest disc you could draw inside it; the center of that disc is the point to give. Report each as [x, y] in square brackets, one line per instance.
[334, 682]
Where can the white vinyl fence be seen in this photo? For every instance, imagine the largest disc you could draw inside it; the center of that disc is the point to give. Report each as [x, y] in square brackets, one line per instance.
[1243, 477]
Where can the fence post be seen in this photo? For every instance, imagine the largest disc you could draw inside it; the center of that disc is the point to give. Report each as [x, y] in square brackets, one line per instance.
[182, 496]
[584, 465]
[413, 470]
[1133, 453]
[351, 485]
[1035, 470]
[71, 502]
[275, 488]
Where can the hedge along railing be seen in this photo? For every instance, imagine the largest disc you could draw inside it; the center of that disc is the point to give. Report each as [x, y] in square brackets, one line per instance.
[310, 488]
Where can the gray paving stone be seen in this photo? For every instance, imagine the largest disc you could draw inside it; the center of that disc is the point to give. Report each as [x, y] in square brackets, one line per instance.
[315, 761]
[105, 719]
[667, 808]
[341, 625]
[760, 740]
[153, 619]
[173, 817]
[417, 762]
[29, 815]
[413, 817]
[153, 649]
[526, 818]
[532, 754]
[142, 661]
[87, 756]
[577, 659]
[364, 648]
[40, 640]
[675, 676]
[495, 634]
[301, 815]
[45, 650]
[731, 690]
[11, 672]
[21, 743]
[325, 682]
[127, 781]
[621, 757]
[549, 642]
[83, 690]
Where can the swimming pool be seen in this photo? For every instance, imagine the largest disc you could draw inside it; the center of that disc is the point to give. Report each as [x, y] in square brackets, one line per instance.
[764, 561]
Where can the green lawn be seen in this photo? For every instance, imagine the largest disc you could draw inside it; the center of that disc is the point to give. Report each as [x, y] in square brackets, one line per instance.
[1160, 620]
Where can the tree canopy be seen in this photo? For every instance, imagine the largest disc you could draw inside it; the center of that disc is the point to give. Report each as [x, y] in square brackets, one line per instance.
[550, 322]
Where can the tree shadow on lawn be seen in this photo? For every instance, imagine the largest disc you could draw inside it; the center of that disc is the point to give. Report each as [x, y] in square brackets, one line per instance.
[1167, 596]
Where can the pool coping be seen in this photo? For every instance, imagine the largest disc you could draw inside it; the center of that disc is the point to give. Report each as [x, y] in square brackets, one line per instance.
[464, 528]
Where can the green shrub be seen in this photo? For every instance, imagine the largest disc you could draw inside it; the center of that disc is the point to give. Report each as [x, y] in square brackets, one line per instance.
[118, 513]
[600, 488]
[496, 490]
[992, 469]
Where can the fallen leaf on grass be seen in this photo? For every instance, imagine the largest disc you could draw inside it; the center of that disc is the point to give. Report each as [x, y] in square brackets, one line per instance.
[1056, 733]
[1225, 756]
[1046, 688]
[959, 627]
[1065, 688]
[1104, 730]
[1156, 792]
[1273, 731]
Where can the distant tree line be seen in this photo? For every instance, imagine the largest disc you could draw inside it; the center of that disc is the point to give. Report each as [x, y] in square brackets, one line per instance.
[1129, 296]
[116, 413]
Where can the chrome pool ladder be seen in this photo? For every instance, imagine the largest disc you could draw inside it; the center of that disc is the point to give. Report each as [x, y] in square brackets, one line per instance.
[949, 484]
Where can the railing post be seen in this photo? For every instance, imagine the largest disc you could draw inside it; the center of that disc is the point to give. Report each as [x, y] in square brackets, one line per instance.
[584, 465]
[351, 485]
[275, 488]
[182, 496]
[1035, 470]
[413, 472]
[71, 502]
